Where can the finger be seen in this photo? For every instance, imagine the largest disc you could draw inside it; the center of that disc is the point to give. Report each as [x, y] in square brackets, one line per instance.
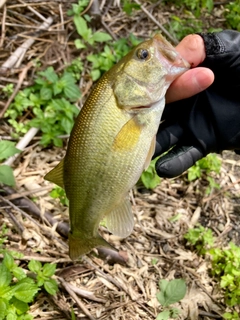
[192, 49]
[190, 83]
[166, 138]
[178, 160]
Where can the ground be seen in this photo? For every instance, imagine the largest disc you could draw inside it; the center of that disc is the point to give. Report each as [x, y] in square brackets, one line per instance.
[108, 285]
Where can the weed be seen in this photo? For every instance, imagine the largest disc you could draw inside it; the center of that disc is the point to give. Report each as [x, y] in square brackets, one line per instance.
[170, 292]
[210, 163]
[7, 149]
[149, 177]
[59, 193]
[201, 238]
[18, 288]
[225, 264]
[50, 100]
[129, 6]
[232, 15]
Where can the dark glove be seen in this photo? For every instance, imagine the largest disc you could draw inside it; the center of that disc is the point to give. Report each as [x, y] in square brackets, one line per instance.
[209, 121]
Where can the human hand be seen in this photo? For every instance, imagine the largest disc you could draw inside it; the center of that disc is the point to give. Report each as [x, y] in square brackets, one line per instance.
[208, 121]
[195, 80]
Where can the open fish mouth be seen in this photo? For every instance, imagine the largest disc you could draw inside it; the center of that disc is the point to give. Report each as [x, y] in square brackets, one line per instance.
[141, 107]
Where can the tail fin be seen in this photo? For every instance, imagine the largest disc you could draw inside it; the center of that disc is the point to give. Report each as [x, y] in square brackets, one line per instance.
[81, 245]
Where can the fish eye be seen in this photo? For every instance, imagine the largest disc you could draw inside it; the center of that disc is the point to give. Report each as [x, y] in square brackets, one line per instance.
[142, 54]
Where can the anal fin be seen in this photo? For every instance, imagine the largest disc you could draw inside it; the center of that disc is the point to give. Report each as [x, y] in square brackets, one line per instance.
[120, 221]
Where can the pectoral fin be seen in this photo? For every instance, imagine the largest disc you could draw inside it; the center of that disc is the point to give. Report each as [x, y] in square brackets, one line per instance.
[56, 175]
[120, 221]
[128, 136]
[150, 153]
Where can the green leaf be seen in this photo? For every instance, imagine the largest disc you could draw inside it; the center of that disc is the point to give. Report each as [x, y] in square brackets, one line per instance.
[3, 308]
[6, 175]
[51, 286]
[128, 7]
[81, 26]
[149, 177]
[101, 36]
[5, 277]
[79, 44]
[49, 74]
[46, 93]
[25, 290]
[49, 269]
[164, 315]
[7, 149]
[8, 261]
[19, 273]
[95, 74]
[21, 307]
[72, 92]
[35, 266]
[171, 292]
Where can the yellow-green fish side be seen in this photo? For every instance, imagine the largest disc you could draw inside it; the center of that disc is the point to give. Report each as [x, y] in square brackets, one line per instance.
[113, 140]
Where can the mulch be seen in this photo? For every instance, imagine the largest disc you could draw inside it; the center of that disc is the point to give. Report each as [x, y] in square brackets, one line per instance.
[106, 284]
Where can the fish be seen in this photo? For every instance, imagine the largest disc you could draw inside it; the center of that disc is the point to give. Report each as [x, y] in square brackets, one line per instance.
[112, 142]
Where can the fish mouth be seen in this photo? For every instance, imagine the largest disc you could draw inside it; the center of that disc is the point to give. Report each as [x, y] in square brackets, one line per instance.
[141, 107]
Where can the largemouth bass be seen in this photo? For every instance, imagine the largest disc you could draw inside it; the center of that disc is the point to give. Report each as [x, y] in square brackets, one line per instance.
[113, 141]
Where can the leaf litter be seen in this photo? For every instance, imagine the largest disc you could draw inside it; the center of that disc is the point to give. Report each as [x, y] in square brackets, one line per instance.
[106, 285]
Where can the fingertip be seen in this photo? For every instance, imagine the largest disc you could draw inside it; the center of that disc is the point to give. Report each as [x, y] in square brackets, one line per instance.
[192, 49]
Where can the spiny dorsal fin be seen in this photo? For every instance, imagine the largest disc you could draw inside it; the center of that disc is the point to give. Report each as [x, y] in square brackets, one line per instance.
[120, 221]
[56, 175]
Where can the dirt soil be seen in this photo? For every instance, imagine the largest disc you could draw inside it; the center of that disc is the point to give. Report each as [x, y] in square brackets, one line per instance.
[104, 284]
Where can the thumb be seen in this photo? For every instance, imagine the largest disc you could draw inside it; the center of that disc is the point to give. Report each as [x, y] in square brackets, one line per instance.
[177, 160]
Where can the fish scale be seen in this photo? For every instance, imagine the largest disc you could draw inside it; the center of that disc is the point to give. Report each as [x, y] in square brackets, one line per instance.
[113, 141]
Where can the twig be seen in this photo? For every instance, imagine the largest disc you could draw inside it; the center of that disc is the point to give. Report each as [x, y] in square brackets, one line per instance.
[77, 300]
[20, 51]
[174, 41]
[85, 294]
[35, 12]
[2, 2]
[220, 192]
[21, 145]
[23, 213]
[3, 25]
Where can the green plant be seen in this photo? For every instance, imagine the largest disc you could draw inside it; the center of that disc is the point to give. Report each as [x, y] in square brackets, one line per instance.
[17, 289]
[201, 238]
[149, 177]
[232, 15]
[88, 37]
[7, 149]
[59, 193]
[170, 292]
[50, 100]
[226, 267]
[18, 286]
[103, 61]
[210, 163]
[129, 6]
[7, 90]
[195, 6]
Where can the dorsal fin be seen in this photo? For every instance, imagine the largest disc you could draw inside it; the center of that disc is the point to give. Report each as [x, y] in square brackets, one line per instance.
[56, 175]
